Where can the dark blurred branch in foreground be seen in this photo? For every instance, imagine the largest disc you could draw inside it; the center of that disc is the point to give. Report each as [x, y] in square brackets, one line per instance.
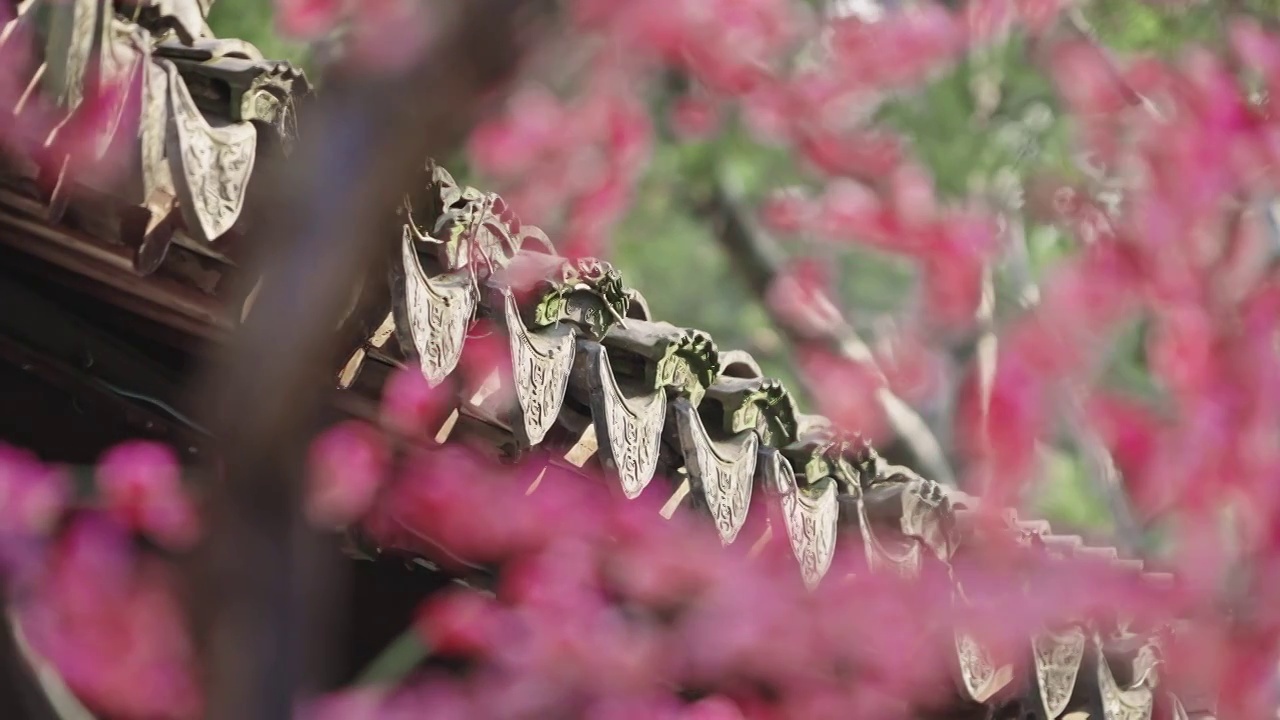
[20, 689]
[320, 222]
[760, 261]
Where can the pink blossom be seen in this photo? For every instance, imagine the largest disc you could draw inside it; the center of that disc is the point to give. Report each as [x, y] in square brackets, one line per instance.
[953, 288]
[712, 708]
[32, 496]
[431, 698]
[1086, 79]
[509, 147]
[912, 195]
[989, 19]
[788, 211]
[914, 371]
[459, 623]
[346, 466]
[110, 623]
[862, 154]
[141, 485]
[694, 118]
[308, 19]
[354, 704]
[387, 36]
[852, 210]
[852, 402]
[411, 407]
[798, 295]
[1037, 16]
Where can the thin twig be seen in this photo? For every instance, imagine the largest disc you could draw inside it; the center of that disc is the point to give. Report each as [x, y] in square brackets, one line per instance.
[760, 260]
[1103, 474]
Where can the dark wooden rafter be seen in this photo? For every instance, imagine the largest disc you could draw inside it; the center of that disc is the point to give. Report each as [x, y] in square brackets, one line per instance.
[591, 381]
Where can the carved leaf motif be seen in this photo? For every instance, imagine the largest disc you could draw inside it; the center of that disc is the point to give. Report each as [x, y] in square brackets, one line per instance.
[631, 426]
[979, 675]
[1118, 703]
[1057, 659]
[811, 516]
[723, 470]
[210, 164]
[541, 363]
[437, 311]
[156, 175]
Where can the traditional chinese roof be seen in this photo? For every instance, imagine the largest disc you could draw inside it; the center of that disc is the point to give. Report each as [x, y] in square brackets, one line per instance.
[165, 176]
[593, 380]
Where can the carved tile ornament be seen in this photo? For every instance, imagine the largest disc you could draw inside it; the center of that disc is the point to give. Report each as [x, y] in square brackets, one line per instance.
[919, 510]
[811, 515]
[980, 677]
[433, 314]
[230, 79]
[1119, 703]
[739, 364]
[723, 469]
[211, 165]
[541, 363]
[685, 362]
[84, 45]
[760, 404]
[823, 451]
[628, 426]
[479, 227]
[71, 28]
[189, 155]
[1057, 657]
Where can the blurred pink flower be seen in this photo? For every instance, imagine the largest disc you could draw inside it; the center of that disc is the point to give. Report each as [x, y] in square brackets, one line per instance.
[32, 495]
[346, 467]
[141, 485]
[352, 704]
[110, 624]
[411, 407]
[694, 118]
[309, 19]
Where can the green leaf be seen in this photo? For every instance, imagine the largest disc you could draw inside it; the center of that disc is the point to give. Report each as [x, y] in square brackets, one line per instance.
[396, 660]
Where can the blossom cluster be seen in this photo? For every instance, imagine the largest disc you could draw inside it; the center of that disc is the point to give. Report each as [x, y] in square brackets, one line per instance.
[84, 595]
[582, 604]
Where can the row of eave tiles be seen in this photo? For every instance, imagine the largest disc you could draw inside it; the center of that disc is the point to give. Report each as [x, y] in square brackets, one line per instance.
[724, 468]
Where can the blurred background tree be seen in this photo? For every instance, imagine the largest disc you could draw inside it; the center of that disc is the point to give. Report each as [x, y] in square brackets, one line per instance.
[986, 126]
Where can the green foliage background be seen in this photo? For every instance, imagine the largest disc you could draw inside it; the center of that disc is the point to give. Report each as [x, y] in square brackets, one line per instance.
[669, 253]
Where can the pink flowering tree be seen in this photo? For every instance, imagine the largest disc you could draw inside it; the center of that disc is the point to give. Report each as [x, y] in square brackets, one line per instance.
[1064, 213]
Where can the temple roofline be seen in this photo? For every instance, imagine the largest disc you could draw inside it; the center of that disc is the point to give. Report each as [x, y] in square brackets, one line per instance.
[595, 382]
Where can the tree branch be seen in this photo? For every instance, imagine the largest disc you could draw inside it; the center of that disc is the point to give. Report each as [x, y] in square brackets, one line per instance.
[759, 259]
[320, 223]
